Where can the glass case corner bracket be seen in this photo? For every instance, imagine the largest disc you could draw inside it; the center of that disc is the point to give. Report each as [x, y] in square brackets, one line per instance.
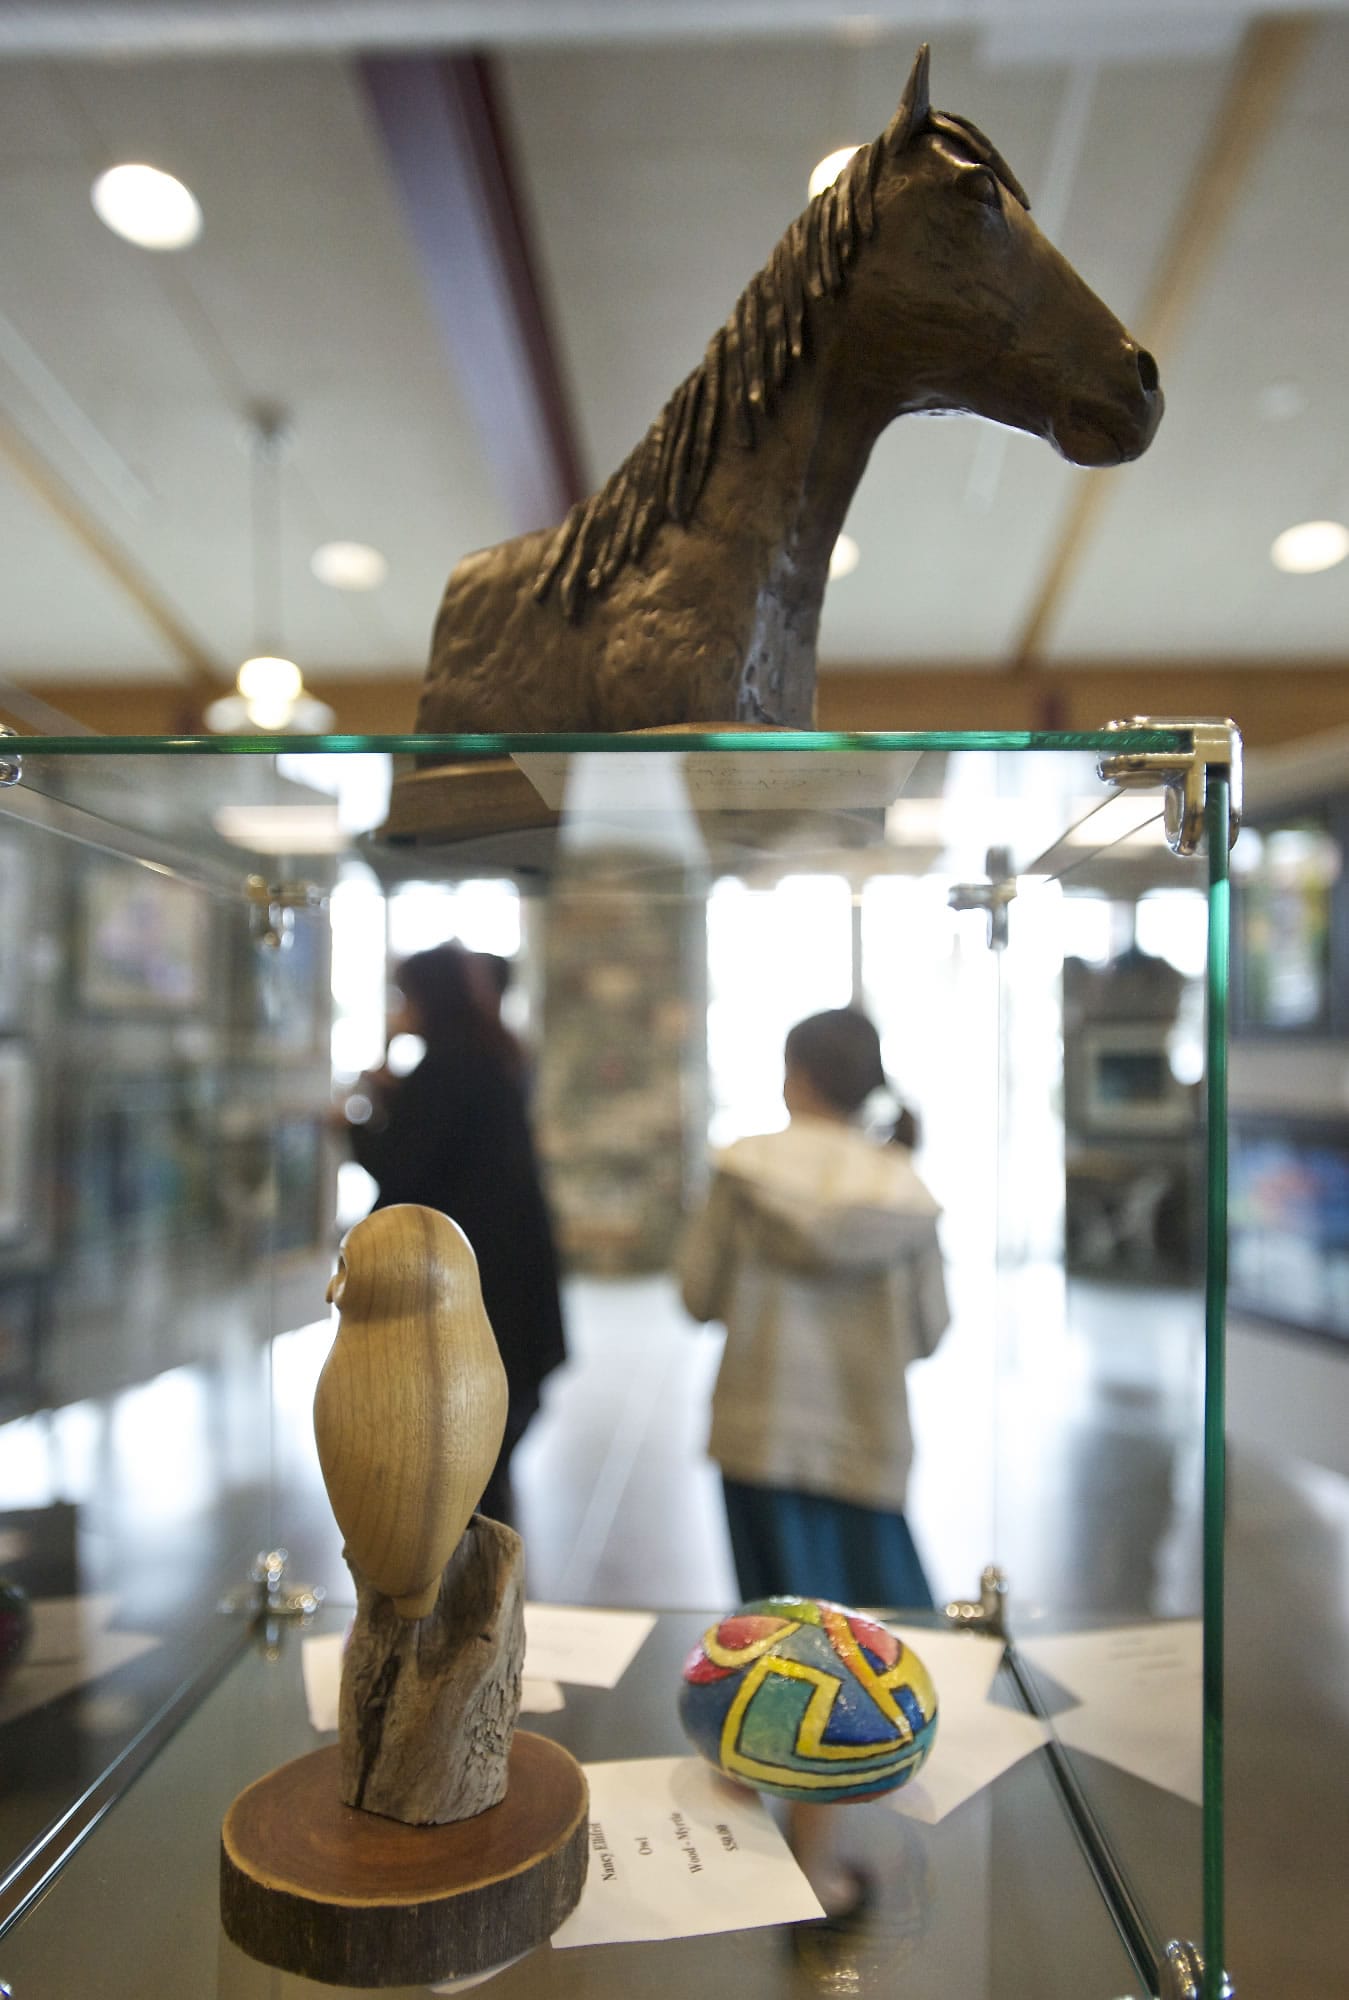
[1215, 744]
[994, 896]
[1184, 1975]
[268, 1594]
[11, 764]
[272, 907]
[986, 1613]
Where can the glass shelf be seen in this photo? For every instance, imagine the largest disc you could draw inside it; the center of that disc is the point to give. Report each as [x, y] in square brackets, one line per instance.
[965, 1907]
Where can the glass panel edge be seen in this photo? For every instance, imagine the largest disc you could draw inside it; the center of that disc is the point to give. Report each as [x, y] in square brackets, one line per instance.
[642, 743]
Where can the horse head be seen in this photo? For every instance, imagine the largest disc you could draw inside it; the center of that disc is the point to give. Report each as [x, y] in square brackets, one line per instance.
[961, 304]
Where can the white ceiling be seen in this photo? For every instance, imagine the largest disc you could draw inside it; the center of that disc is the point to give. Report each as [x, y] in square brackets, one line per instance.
[658, 174]
[303, 290]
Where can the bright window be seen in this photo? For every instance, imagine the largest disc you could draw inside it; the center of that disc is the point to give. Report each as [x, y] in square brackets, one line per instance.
[774, 956]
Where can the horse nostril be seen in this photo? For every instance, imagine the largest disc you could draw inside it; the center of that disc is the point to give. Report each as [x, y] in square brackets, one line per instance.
[1147, 372]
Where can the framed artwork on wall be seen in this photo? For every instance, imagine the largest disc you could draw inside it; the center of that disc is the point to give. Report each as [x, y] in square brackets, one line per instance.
[1128, 1084]
[20, 1328]
[1289, 1221]
[13, 927]
[17, 1105]
[301, 1217]
[1289, 936]
[140, 1158]
[143, 942]
[284, 997]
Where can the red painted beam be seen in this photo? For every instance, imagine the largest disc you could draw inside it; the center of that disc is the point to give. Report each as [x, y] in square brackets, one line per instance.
[451, 159]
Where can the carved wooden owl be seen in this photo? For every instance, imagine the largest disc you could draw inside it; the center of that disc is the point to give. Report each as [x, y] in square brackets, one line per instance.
[410, 1407]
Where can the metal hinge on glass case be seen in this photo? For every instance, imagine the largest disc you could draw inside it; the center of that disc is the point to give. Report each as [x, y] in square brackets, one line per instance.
[994, 896]
[268, 1594]
[989, 1612]
[1215, 744]
[1185, 1976]
[11, 767]
[272, 907]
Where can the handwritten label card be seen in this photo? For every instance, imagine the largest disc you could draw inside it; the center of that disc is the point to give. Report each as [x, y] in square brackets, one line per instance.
[976, 1739]
[676, 1851]
[565, 1642]
[1141, 1693]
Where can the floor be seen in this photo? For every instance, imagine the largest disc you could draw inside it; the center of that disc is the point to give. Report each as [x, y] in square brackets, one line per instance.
[1069, 1455]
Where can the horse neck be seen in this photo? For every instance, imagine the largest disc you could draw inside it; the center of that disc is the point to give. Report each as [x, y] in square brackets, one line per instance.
[781, 504]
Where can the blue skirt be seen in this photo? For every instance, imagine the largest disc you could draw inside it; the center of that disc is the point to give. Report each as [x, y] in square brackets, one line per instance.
[794, 1544]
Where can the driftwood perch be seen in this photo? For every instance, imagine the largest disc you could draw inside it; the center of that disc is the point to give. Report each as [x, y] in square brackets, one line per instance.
[428, 1708]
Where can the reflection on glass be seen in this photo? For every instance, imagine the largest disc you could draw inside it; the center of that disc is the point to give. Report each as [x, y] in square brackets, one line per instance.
[164, 1173]
[1289, 1212]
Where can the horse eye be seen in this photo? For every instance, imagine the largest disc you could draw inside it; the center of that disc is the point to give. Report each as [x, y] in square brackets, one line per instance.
[981, 184]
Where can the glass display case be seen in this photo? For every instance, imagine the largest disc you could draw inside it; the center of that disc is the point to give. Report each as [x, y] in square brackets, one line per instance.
[193, 976]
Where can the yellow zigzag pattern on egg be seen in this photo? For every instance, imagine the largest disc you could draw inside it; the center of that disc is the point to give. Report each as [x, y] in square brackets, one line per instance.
[810, 1736]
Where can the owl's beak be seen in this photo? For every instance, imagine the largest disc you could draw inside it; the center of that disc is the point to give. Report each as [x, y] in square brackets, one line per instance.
[337, 1284]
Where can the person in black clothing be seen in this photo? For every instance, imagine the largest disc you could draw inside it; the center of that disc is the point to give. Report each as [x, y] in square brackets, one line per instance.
[453, 1135]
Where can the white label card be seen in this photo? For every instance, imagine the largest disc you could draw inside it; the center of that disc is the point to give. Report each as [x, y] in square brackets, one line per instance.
[677, 1851]
[70, 1648]
[593, 781]
[565, 1642]
[976, 1739]
[1140, 1690]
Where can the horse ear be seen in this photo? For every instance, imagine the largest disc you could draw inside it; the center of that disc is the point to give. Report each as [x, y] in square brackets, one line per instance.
[914, 106]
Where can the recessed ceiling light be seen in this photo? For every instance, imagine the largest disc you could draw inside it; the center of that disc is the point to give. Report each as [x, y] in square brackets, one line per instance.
[349, 565]
[845, 558]
[1310, 546]
[147, 207]
[829, 169]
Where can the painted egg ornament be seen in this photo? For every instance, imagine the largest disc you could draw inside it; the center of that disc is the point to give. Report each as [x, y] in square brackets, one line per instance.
[809, 1700]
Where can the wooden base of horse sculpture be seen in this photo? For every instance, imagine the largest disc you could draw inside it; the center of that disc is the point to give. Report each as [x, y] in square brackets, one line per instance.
[741, 803]
[461, 800]
[465, 798]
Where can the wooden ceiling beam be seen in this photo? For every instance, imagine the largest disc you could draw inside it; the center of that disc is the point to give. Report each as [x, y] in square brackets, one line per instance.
[446, 143]
[1251, 107]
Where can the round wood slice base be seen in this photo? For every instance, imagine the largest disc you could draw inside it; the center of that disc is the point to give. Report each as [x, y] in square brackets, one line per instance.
[320, 1888]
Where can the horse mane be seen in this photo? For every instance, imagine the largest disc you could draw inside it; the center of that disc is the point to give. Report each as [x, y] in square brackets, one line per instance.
[750, 356]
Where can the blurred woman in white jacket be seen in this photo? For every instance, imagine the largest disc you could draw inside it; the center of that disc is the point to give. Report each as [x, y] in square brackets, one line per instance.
[818, 1251]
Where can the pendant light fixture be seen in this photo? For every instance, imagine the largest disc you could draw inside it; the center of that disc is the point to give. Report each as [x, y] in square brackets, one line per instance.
[270, 698]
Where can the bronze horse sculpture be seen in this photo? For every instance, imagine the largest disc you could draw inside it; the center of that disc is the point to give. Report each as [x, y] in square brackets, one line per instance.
[688, 589]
